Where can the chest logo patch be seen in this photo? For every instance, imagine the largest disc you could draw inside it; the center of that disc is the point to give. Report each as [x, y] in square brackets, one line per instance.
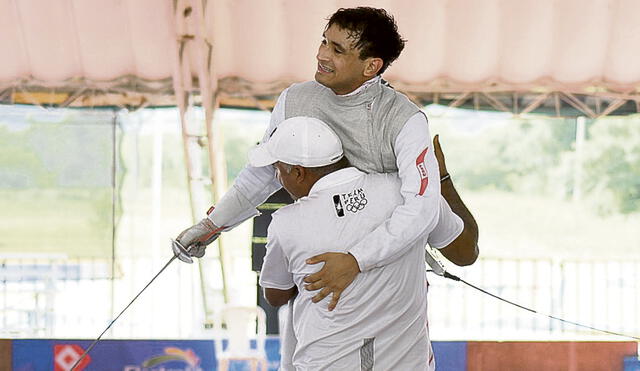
[352, 202]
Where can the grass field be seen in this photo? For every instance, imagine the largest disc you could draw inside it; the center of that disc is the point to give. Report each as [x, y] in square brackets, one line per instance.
[517, 226]
[78, 223]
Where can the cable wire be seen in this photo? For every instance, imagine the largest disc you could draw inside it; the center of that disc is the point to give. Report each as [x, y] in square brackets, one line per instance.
[86, 352]
[456, 278]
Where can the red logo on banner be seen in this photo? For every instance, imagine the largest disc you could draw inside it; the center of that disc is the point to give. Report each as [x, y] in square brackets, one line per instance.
[65, 355]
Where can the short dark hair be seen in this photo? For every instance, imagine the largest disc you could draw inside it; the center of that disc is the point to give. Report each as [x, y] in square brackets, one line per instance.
[374, 32]
[328, 169]
[321, 171]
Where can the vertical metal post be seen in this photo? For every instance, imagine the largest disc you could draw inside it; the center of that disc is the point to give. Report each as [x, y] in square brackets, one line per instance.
[578, 166]
[156, 202]
[557, 291]
[189, 23]
[114, 196]
[208, 84]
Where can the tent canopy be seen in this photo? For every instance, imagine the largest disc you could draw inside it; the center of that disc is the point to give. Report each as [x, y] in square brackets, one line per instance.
[501, 53]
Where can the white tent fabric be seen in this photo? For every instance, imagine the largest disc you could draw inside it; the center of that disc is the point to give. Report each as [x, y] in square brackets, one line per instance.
[52, 41]
[580, 46]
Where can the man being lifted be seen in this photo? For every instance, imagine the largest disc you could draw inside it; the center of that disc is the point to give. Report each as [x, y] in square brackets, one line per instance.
[381, 131]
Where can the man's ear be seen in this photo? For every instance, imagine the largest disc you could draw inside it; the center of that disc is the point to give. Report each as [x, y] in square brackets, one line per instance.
[299, 173]
[374, 65]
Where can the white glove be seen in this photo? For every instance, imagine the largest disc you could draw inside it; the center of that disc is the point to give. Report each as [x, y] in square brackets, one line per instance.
[196, 238]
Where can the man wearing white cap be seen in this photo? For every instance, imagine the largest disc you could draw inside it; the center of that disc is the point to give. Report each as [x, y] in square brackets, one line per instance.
[381, 322]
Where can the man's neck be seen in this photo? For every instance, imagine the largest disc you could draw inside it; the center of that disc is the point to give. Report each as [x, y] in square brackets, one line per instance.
[362, 87]
[315, 177]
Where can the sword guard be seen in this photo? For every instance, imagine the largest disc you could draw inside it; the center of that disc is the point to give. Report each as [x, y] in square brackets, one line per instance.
[180, 252]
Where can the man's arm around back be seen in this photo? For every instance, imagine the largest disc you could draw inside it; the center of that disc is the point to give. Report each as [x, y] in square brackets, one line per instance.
[464, 249]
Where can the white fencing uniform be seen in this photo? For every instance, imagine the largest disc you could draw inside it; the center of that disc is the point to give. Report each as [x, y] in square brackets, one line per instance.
[415, 215]
[380, 322]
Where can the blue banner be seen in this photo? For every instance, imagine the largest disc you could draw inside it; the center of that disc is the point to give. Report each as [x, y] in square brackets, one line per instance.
[450, 355]
[128, 355]
[164, 355]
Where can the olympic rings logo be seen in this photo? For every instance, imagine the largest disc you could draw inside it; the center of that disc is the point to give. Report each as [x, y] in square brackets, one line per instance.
[356, 205]
[354, 201]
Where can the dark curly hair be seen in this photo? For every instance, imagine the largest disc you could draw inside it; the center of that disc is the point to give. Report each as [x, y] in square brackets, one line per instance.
[374, 32]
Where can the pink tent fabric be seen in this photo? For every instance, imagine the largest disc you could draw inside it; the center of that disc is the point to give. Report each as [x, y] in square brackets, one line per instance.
[453, 45]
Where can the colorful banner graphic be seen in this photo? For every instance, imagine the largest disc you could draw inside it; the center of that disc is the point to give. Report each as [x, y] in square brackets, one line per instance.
[123, 355]
[126, 355]
[199, 355]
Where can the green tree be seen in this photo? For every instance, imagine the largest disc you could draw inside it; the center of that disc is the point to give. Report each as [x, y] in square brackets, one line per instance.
[612, 165]
[519, 155]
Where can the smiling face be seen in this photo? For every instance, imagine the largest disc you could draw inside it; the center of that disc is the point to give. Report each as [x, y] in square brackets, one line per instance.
[339, 65]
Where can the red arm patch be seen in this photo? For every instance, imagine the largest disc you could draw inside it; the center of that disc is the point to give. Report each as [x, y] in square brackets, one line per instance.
[422, 170]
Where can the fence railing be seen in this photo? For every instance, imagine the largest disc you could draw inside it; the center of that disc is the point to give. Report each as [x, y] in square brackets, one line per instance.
[601, 294]
[56, 297]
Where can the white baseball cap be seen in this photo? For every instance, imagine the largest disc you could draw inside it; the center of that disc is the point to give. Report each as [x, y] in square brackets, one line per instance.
[304, 141]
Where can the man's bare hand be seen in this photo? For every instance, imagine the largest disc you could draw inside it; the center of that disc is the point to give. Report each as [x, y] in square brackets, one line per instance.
[437, 150]
[339, 271]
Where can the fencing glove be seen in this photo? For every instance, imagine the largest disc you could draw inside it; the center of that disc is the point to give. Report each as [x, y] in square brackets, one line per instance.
[199, 236]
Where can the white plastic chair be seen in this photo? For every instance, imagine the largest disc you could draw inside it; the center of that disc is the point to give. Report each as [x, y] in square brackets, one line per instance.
[243, 323]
